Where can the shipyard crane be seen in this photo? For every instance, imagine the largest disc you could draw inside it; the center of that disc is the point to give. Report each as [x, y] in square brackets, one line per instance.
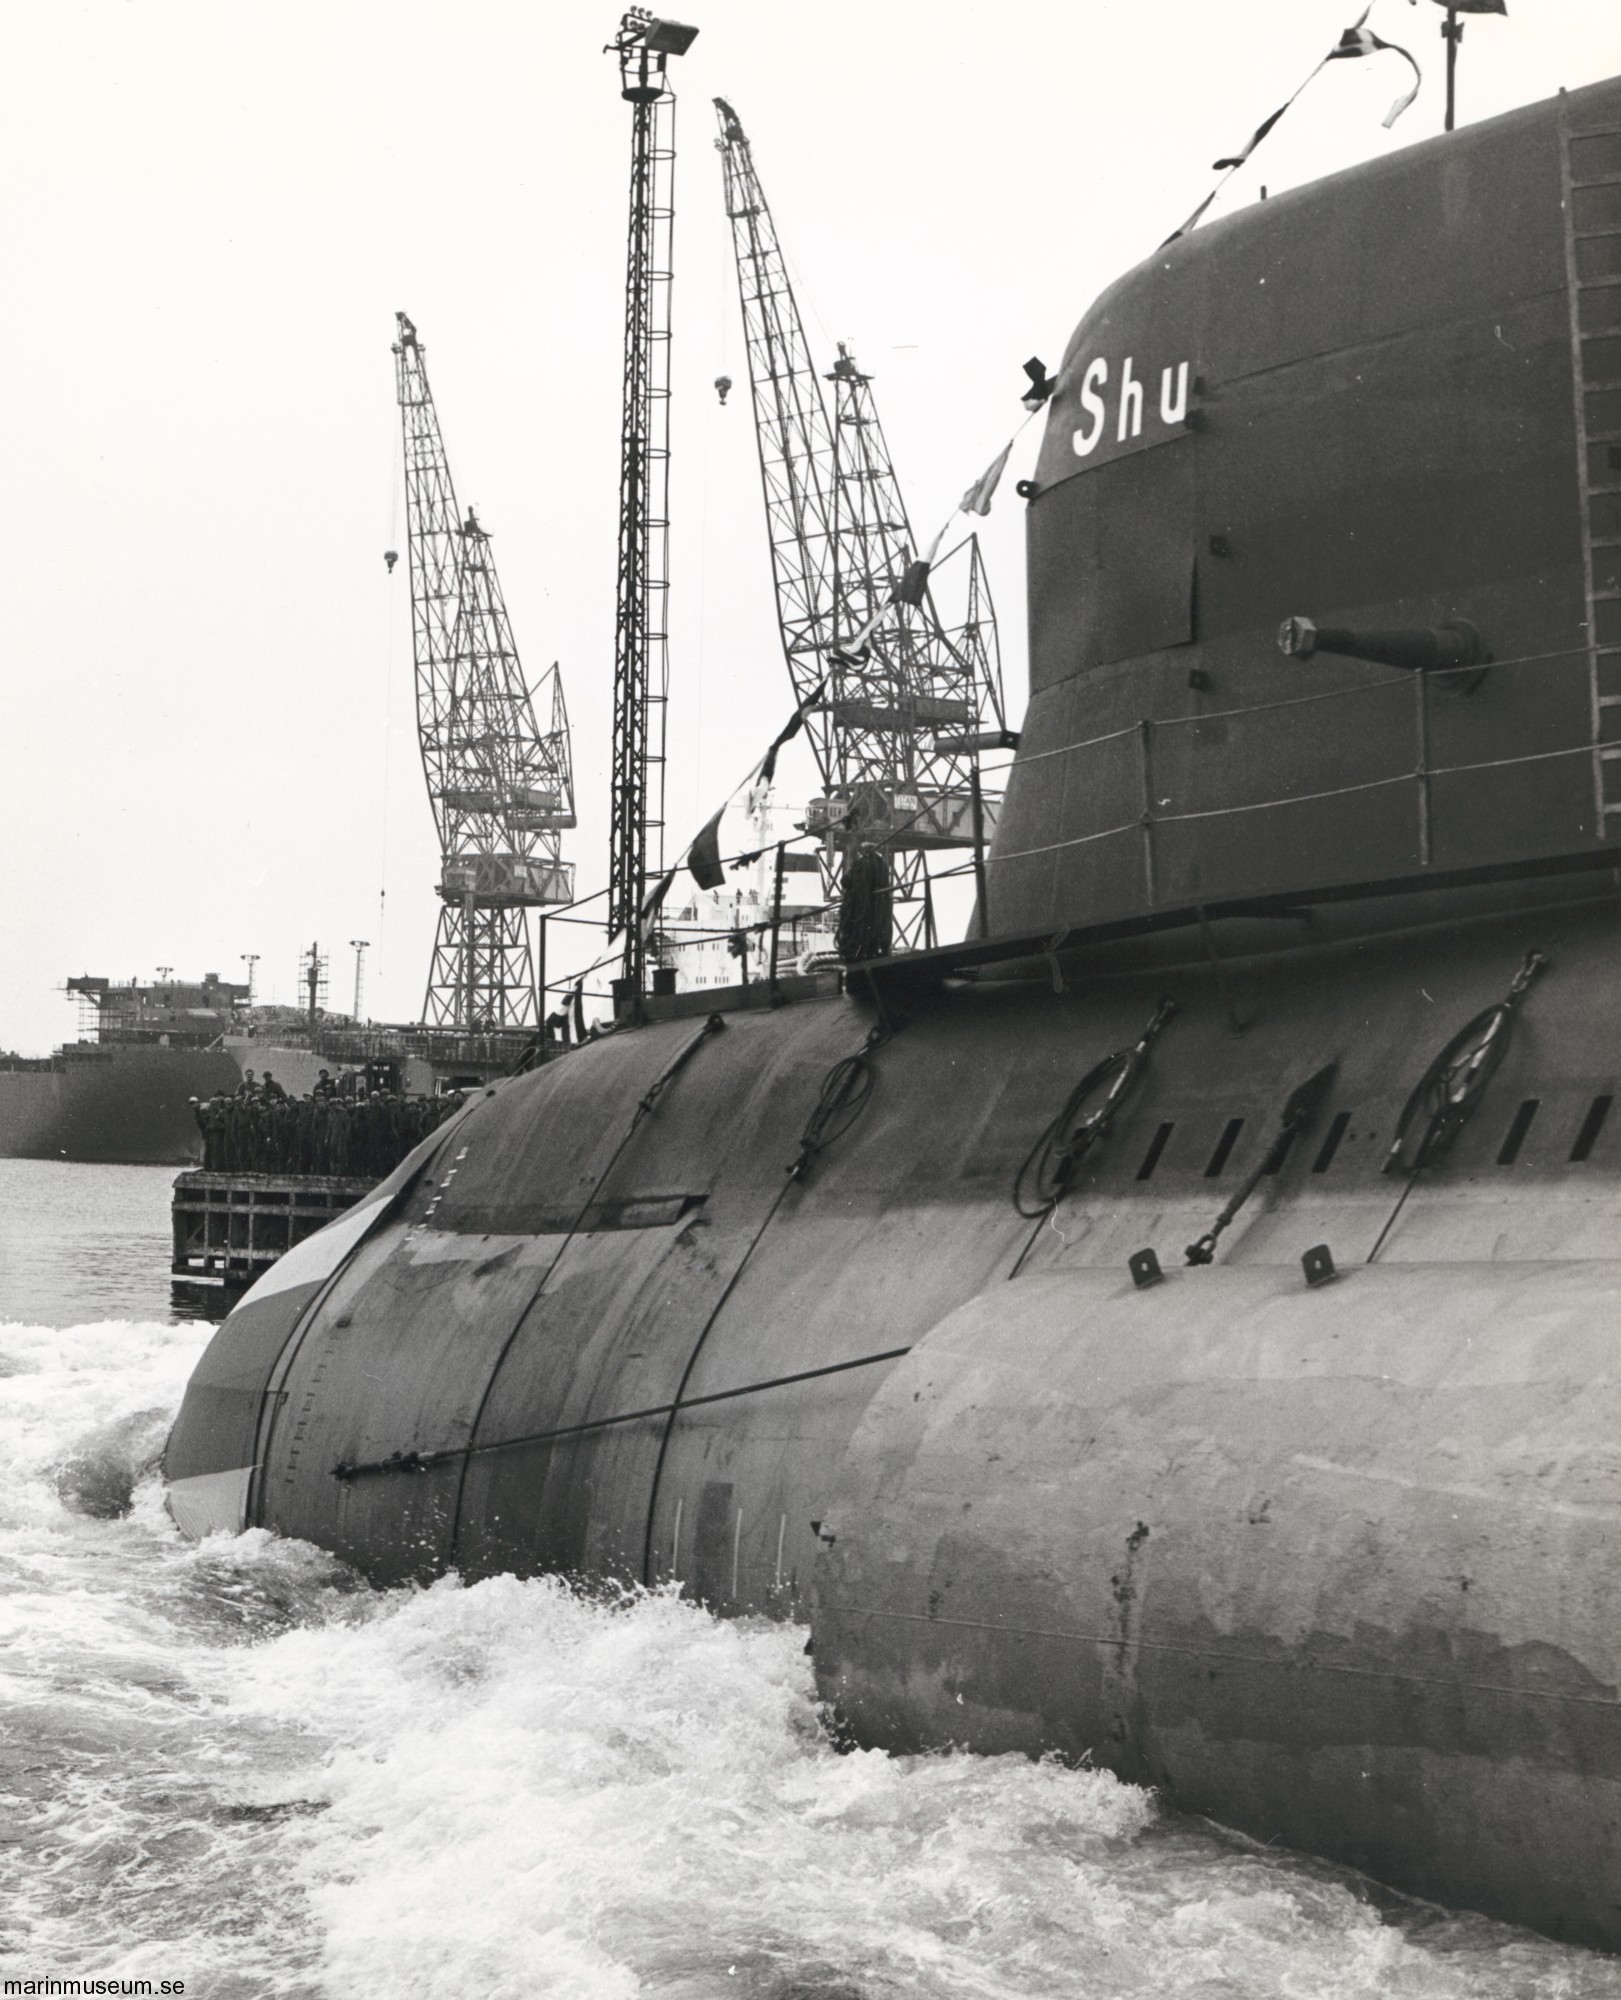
[643, 46]
[896, 720]
[501, 786]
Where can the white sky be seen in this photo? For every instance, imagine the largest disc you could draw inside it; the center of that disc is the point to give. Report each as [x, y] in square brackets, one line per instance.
[211, 213]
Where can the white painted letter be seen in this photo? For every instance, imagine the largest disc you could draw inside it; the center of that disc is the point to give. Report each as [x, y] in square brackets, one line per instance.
[1173, 413]
[1131, 404]
[1096, 375]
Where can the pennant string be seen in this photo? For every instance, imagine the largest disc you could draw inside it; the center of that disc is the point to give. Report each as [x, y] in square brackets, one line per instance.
[1233, 162]
[702, 853]
[1360, 41]
[1354, 41]
[1261, 131]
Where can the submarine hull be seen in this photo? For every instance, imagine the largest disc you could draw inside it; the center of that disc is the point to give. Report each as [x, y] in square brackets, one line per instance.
[1331, 1569]
[1329, 1563]
[832, 1312]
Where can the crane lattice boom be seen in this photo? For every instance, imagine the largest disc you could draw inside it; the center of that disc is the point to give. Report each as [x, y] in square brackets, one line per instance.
[896, 720]
[501, 788]
[791, 424]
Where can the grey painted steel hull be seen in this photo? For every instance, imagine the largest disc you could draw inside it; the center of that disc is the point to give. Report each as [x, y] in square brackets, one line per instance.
[1334, 1566]
[1385, 371]
[1334, 1569]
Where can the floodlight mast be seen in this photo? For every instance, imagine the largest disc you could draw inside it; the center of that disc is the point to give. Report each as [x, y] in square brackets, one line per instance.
[643, 45]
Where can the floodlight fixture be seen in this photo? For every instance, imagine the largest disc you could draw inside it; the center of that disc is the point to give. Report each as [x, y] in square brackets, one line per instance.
[644, 45]
[669, 38]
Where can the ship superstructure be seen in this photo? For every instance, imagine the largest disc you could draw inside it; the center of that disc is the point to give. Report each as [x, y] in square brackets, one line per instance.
[123, 1091]
[180, 1014]
[767, 918]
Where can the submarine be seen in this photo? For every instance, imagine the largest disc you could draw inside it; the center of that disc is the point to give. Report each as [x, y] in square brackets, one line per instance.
[1176, 1327]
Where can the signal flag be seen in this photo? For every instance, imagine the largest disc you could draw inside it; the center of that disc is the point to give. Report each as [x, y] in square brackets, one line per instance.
[1360, 41]
[789, 730]
[653, 902]
[703, 857]
[977, 500]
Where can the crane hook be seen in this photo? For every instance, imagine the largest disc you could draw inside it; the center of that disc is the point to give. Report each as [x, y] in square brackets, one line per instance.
[722, 384]
[391, 557]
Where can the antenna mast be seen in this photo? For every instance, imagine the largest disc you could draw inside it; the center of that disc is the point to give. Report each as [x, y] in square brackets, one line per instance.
[312, 969]
[641, 661]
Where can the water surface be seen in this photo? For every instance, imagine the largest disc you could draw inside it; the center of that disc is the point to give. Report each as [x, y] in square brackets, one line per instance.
[237, 1766]
[81, 1242]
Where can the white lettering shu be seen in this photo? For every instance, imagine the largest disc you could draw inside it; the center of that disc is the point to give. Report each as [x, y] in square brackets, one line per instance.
[1092, 403]
[1131, 404]
[1129, 409]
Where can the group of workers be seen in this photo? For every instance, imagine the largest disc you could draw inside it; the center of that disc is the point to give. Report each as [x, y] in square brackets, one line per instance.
[339, 1127]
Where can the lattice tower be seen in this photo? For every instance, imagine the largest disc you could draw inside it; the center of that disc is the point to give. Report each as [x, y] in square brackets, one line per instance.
[501, 787]
[895, 728]
[641, 655]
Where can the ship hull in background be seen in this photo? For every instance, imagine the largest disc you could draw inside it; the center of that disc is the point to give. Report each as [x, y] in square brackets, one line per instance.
[127, 1103]
[111, 1102]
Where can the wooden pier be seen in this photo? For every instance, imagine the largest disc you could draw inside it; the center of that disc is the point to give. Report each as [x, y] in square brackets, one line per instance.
[230, 1228]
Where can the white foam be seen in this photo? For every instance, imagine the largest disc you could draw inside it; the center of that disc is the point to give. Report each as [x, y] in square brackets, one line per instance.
[238, 1768]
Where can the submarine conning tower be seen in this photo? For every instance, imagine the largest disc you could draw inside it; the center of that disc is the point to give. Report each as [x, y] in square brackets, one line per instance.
[1181, 1329]
[1386, 402]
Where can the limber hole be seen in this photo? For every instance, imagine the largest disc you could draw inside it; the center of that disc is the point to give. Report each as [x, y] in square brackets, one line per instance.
[1156, 1146]
[1224, 1145]
[1592, 1126]
[1514, 1138]
[1331, 1143]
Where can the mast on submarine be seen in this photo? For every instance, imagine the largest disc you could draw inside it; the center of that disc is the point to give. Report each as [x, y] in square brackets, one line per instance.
[643, 45]
[501, 787]
[898, 721]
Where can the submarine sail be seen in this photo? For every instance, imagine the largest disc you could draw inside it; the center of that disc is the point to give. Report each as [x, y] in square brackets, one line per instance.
[1180, 1328]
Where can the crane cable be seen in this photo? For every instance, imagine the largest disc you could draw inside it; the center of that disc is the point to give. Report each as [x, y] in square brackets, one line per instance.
[1301, 1109]
[416, 1461]
[394, 482]
[845, 1093]
[1450, 1090]
[1053, 1161]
